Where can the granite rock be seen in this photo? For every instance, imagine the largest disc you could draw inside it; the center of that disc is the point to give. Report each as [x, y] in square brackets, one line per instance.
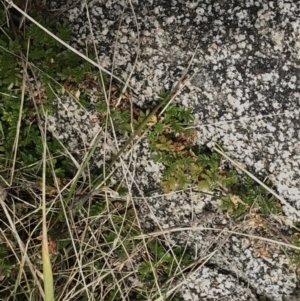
[243, 85]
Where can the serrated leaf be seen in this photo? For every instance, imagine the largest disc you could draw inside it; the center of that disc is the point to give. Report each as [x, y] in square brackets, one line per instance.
[169, 184]
[145, 269]
[203, 185]
[182, 179]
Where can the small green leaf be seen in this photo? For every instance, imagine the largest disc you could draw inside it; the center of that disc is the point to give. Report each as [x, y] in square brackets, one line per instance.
[203, 185]
[169, 184]
[145, 270]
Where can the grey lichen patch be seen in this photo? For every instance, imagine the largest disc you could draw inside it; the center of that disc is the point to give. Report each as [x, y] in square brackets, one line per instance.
[74, 126]
[202, 286]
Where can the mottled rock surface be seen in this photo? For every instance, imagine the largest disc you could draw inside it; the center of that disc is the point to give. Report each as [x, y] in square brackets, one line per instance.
[244, 87]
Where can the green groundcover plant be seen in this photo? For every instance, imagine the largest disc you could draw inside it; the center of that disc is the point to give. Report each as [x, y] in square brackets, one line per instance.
[43, 54]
